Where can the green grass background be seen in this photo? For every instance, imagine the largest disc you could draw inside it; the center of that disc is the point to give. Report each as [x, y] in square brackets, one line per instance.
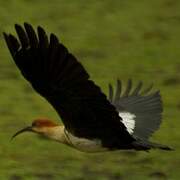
[126, 39]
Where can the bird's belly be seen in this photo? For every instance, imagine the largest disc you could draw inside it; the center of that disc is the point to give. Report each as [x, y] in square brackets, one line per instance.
[85, 145]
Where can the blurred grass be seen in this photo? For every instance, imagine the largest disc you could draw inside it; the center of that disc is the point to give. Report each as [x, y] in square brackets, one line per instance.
[126, 39]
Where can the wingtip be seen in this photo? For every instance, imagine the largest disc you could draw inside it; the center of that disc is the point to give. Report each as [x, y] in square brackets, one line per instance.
[26, 24]
[110, 87]
[157, 92]
[110, 92]
[118, 89]
[118, 81]
[128, 89]
[119, 84]
[53, 39]
[39, 28]
[5, 35]
[129, 80]
[147, 90]
[52, 35]
[17, 26]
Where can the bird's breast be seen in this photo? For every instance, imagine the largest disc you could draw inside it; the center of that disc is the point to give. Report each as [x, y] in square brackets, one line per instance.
[83, 144]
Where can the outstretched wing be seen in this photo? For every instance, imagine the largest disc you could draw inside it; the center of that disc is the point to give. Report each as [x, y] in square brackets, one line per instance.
[140, 109]
[57, 75]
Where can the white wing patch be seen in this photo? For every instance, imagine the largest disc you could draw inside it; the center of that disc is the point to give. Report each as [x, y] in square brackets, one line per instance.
[128, 120]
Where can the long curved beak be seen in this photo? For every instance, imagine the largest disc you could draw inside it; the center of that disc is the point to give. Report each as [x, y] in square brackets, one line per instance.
[26, 129]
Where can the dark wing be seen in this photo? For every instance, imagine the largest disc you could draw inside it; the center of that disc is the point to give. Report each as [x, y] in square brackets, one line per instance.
[144, 104]
[61, 79]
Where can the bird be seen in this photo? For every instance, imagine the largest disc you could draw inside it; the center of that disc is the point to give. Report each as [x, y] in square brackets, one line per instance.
[92, 121]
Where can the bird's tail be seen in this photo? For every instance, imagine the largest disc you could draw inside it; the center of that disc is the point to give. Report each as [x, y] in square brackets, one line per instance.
[145, 145]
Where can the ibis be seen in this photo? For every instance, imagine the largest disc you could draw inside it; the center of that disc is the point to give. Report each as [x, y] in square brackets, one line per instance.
[93, 122]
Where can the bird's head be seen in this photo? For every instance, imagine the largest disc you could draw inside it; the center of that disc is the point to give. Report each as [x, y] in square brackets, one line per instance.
[40, 126]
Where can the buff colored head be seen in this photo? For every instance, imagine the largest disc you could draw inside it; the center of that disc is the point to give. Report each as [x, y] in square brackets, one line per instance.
[38, 126]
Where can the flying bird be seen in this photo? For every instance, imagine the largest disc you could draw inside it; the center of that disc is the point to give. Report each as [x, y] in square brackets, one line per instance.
[92, 122]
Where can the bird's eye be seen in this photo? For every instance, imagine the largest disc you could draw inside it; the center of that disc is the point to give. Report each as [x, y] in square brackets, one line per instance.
[34, 124]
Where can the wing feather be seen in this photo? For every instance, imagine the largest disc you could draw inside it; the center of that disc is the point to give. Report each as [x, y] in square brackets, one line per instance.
[143, 105]
[58, 76]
